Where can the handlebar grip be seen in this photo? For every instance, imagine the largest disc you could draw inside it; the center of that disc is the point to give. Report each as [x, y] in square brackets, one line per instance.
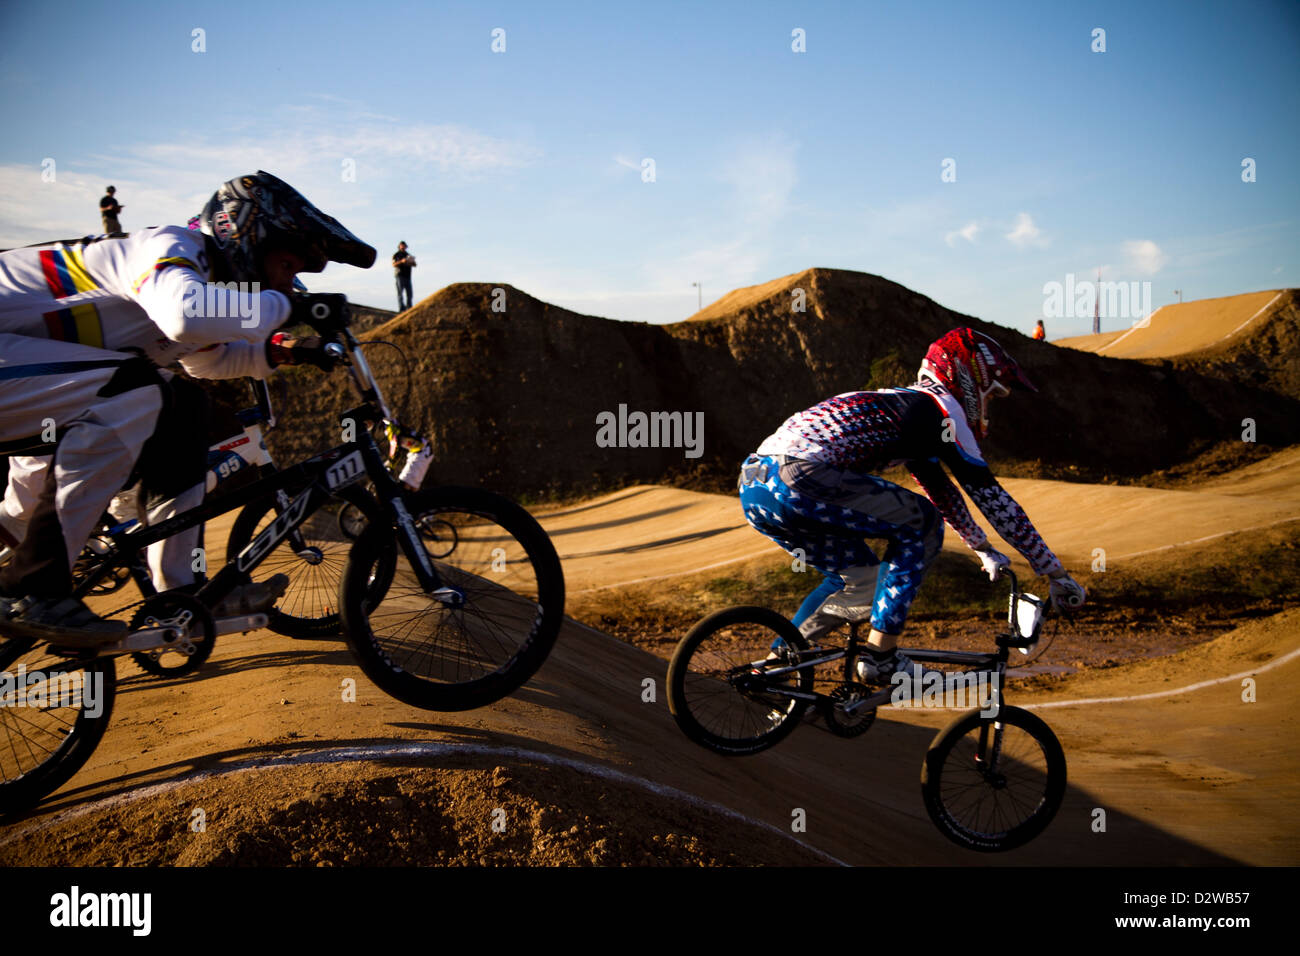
[327, 313]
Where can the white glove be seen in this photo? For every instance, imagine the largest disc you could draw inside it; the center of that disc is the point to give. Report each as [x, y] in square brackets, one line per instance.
[992, 561]
[1067, 592]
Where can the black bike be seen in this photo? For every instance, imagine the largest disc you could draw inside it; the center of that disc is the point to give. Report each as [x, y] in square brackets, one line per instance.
[437, 628]
[993, 779]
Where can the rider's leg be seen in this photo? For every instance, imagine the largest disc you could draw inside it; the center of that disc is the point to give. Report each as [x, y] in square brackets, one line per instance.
[103, 408]
[173, 478]
[869, 506]
[796, 521]
[26, 476]
[830, 584]
[172, 468]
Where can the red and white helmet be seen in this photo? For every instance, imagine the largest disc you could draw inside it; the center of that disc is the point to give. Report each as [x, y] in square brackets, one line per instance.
[974, 368]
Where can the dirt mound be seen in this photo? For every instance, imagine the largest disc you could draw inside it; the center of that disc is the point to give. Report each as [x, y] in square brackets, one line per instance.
[747, 296]
[377, 814]
[1089, 343]
[1188, 326]
[512, 388]
[366, 317]
[1264, 354]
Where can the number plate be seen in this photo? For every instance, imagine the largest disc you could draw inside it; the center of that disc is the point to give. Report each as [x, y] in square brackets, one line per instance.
[345, 471]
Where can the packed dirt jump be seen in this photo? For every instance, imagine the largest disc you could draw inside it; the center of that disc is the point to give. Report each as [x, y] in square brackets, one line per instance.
[1179, 736]
[1185, 327]
[580, 767]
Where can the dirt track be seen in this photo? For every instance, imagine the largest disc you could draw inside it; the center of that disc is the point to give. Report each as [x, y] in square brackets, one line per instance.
[1196, 776]
[1182, 328]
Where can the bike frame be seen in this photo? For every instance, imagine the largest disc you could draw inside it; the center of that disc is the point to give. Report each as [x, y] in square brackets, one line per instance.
[323, 474]
[995, 661]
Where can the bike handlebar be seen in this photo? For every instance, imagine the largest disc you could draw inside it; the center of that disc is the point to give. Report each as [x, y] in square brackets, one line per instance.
[330, 316]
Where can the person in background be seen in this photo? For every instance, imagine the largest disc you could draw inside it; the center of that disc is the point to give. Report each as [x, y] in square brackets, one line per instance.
[403, 263]
[108, 210]
[1040, 333]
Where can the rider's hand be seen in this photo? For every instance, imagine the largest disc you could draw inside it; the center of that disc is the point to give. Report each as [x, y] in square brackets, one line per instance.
[324, 312]
[284, 349]
[992, 561]
[1067, 593]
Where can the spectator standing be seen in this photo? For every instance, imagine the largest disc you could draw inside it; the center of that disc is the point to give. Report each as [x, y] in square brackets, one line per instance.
[1040, 333]
[403, 263]
[108, 210]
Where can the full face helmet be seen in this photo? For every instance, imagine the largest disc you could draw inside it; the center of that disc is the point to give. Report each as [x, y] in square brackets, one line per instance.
[250, 215]
[974, 368]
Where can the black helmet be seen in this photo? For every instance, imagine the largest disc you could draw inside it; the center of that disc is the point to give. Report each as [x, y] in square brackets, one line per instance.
[250, 214]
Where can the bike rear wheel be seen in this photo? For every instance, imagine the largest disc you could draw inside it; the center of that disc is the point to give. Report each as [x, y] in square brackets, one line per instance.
[436, 655]
[993, 783]
[47, 737]
[309, 607]
[718, 691]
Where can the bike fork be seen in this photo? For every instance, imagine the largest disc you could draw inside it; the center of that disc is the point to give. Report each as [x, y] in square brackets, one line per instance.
[294, 538]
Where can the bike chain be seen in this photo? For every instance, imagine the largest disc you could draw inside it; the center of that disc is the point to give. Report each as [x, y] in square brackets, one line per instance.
[849, 725]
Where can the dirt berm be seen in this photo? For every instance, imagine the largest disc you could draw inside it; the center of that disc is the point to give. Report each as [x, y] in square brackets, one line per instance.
[510, 387]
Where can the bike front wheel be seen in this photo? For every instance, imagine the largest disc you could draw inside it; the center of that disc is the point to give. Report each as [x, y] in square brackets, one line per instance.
[993, 783]
[721, 689]
[51, 725]
[494, 622]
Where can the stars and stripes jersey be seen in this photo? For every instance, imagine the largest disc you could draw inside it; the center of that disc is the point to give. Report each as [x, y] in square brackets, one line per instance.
[924, 428]
[146, 293]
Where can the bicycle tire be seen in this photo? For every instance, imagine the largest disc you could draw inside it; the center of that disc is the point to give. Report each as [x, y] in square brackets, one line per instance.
[309, 606]
[434, 657]
[724, 715]
[351, 519]
[963, 799]
[41, 748]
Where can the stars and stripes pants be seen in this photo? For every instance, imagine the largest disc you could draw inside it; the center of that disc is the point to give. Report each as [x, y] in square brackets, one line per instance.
[826, 514]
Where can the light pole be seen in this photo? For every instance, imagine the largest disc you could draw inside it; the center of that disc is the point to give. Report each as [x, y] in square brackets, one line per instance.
[699, 298]
[1179, 293]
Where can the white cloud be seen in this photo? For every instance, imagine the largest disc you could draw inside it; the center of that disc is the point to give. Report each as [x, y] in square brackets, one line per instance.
[1025, 233]
[966, 232]
[168, 181]
[1144, 256]
[622, 160]
[762, 176]
[447, 147]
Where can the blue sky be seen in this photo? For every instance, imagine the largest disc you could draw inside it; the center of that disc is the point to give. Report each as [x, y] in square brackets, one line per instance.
[525, 166]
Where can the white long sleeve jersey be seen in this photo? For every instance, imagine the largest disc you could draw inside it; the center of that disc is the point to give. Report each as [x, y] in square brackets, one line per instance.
[148, 294]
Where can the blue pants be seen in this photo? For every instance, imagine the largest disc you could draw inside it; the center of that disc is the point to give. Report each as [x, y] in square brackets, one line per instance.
[826, 513]
[403, 286]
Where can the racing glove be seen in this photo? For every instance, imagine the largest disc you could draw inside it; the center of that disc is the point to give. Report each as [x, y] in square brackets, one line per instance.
[1067, 593]
[285, 349]
[992, 561]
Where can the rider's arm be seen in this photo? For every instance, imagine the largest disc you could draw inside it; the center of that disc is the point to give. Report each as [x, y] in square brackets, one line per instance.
[950, 441]
[232, 360]
[1006, 516]
[170, 282]
[934, 482]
